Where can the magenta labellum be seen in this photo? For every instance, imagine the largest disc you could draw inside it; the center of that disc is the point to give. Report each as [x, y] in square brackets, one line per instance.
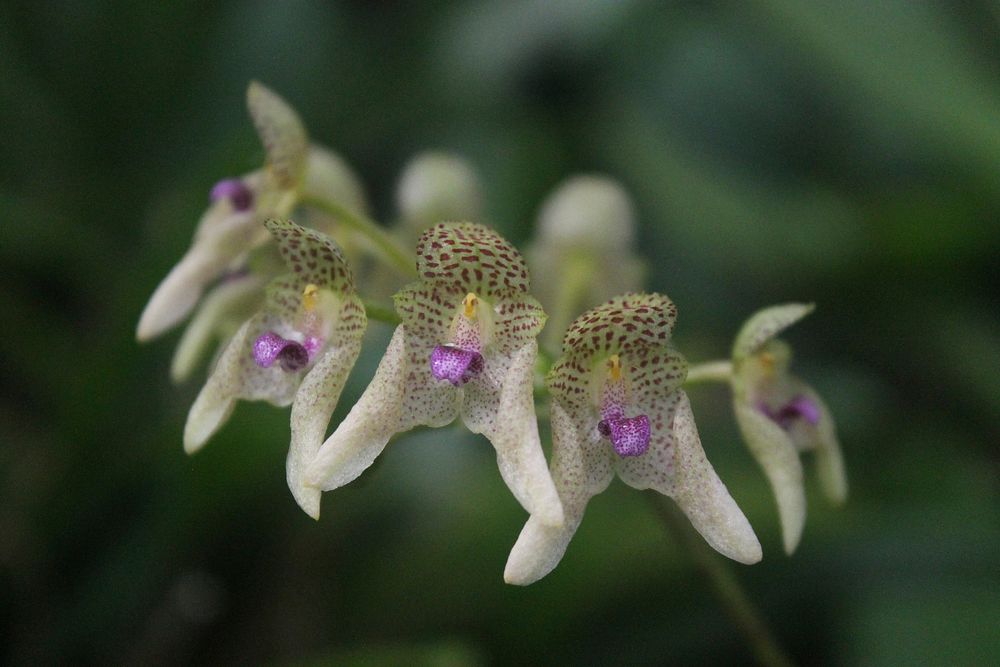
[270, 347]
[454, 364]
[235, 190]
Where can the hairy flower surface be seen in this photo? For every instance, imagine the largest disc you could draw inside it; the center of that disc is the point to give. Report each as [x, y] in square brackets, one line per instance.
[299, 348]
[781, 416]
[466, 347]
[617, 407]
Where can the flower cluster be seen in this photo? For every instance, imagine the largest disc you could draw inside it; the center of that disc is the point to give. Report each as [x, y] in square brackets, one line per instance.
[285, 302]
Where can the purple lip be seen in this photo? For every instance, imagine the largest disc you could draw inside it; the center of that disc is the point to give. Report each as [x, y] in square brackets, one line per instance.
[455, 365]
[629, 435]
[270, 347]
[235, 191]
[799, 407]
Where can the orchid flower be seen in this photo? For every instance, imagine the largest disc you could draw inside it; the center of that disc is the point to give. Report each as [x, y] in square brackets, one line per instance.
[466, 347]
[781, 416]
[298, 349]
[617, 408]
[231, 227]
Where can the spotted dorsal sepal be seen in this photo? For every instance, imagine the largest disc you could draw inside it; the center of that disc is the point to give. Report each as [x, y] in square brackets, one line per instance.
[469, 257]
[622, 324]
[313, 257]
[282, 133]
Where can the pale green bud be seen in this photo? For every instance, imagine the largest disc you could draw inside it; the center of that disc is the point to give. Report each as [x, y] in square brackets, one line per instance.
[330, 177]
[438, 187]
[590, 211]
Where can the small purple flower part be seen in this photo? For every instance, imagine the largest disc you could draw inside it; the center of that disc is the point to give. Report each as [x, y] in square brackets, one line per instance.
[629, 435]
[235, 190]
[798, 407]
[455, 364]
[270, 347]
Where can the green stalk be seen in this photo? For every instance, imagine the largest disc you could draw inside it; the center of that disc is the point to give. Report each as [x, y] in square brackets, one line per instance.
[576, 276]
[711, 371]
[381, 312]
[744, 615]
[388, 248]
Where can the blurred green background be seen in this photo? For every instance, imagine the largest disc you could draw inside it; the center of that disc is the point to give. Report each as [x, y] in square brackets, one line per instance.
[846, 153]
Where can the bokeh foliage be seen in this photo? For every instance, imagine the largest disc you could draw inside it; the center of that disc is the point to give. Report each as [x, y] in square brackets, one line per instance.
[844, 153]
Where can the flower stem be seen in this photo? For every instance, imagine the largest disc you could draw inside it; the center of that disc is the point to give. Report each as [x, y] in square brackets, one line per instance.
[384, 245]
[380, 312]
[711, 371]
[744, 615]
[577, 273]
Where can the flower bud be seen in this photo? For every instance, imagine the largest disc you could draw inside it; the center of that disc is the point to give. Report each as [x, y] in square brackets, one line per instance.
[589, 211]
[328, 176]
[438, 187]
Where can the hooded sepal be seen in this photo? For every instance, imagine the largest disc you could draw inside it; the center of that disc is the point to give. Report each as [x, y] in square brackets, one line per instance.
[282, 133]
[765, 325]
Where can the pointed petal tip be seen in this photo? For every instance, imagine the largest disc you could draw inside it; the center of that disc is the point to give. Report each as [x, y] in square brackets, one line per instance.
[537, 551]
[209, 412]
[751, 554]
[521, 569]
[192, 444]
[791, 531]
[196, 434]
[516, 577]
[153, 321]
[308, 500]
[313, 477]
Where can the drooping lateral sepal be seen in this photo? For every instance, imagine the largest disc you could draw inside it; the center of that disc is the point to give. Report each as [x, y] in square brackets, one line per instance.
[581, 468]
[779, 459]
[501, 406]
[703, 497]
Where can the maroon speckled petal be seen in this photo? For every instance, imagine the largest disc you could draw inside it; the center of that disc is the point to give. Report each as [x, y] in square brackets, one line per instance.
[468, 257]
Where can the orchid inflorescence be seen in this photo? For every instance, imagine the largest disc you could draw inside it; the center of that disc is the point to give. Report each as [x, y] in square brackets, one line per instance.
[280, 301]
